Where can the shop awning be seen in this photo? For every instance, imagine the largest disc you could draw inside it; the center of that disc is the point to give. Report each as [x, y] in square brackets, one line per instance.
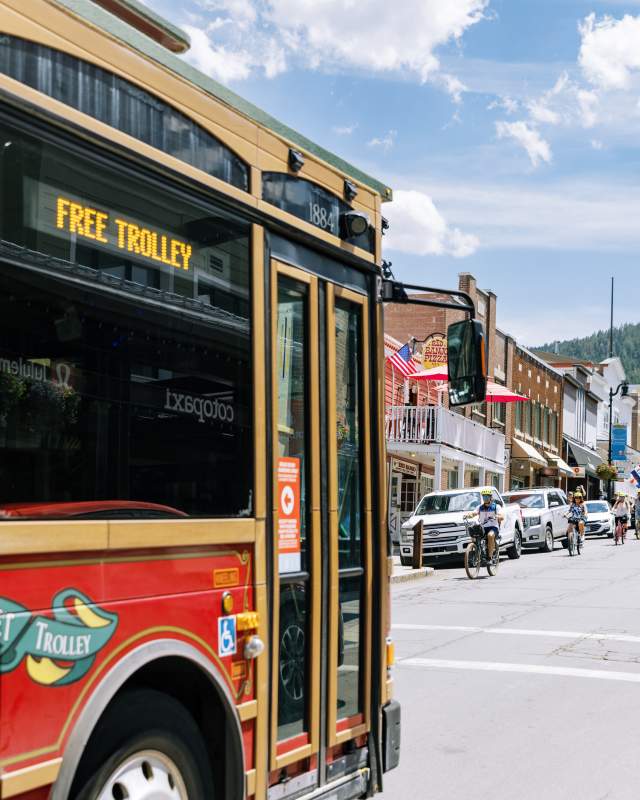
[520, 449]
[560, 463]
[585, 457]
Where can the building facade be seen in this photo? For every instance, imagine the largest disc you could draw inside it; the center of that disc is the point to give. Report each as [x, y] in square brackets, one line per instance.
[535, 435]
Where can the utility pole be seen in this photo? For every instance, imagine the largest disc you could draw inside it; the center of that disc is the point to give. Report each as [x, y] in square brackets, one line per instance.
[611, 324]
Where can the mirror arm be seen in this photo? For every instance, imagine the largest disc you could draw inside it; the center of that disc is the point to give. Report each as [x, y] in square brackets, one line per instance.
[395, 292]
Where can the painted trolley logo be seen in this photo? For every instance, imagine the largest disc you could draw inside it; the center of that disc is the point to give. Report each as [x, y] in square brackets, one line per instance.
[58, 650]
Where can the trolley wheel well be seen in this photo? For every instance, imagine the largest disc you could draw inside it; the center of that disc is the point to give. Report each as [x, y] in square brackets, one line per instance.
[188, 684]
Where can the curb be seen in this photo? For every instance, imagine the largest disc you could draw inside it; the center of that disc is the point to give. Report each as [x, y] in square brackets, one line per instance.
[414, 575]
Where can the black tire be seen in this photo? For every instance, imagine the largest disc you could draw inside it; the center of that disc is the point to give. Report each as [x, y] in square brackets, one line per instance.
[548, 541]
[515, 551]
[139, 721]
[571, 543]
[406, 561]
[578, 544]
[494, 563]
[472, 560]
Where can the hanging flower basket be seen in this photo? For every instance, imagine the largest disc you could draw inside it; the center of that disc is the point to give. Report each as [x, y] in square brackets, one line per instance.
[606, 472]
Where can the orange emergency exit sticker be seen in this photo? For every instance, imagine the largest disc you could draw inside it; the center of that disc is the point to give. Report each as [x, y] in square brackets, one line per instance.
[288, 530]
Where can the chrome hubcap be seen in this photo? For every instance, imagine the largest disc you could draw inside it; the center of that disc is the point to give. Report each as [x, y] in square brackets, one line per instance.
[147, 775]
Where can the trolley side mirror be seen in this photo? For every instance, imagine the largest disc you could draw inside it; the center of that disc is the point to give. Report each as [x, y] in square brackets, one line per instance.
[467, 363]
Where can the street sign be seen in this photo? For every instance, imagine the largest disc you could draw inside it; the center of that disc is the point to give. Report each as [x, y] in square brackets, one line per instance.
[619, 442]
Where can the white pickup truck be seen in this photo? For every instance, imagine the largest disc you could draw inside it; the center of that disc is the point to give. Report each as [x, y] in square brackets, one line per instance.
[444, 535]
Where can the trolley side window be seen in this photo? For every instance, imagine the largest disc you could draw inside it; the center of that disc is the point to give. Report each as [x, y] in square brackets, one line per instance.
[125, 344]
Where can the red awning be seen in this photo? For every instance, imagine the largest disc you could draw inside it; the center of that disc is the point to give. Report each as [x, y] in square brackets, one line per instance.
[434, 374]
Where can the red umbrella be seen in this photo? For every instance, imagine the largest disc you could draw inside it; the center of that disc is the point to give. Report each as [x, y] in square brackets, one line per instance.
[440, 373]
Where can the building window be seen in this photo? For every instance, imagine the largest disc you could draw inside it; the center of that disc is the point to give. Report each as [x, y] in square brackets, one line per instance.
[120, 104]
[519, 416]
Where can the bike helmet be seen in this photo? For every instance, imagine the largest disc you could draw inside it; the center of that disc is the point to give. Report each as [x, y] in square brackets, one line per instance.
[486, 492]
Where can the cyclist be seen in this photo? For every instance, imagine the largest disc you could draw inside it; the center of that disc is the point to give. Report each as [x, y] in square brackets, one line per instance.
[490, 519]
[577, 515]
[622, 512]
[637, 509]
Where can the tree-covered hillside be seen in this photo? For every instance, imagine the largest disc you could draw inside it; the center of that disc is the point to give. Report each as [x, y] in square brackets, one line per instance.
[626, 345]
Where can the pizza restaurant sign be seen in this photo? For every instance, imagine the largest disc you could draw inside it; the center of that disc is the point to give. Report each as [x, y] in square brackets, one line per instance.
[434, 352]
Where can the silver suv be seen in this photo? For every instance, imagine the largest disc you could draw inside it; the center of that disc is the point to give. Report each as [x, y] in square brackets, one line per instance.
[543, 513]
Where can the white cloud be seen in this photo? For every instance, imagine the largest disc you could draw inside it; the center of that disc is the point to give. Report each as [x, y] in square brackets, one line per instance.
[585, 215]
[506, 103]
[375, 36]
[540, 112]
[386, 142]
[537, 148]
[344, 130]
[597, 144]
[225, 65]
[610, 50]
[453, 86]
[587, 103]
[417, 227]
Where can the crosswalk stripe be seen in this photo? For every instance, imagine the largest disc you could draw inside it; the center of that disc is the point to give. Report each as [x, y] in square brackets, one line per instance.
[608, 637]
[535, 669]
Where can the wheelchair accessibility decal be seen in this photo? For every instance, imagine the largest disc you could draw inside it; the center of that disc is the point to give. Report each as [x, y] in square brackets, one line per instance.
[227, 638]
[59, 650]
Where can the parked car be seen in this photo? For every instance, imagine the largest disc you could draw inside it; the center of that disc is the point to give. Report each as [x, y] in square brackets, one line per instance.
[444, 535]
[600, 519]
[543, 515]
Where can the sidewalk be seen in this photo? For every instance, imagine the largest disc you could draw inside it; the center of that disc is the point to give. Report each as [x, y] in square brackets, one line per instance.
[403, 574]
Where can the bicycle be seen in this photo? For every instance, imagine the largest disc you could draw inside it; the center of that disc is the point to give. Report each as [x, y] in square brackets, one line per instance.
[476, 554]
[620, 532]
[574, 539]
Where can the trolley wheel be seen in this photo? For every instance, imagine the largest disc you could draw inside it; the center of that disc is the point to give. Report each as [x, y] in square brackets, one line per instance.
[146, 745]
[472, 560]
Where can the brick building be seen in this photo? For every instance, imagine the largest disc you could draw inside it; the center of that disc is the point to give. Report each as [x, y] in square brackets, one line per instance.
[535, 428]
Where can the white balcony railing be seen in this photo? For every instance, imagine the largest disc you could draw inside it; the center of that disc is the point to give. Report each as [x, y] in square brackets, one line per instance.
[414, 425]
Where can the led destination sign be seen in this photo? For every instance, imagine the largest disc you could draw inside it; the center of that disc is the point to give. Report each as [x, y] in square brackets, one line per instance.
[60, 213]
[101, 226]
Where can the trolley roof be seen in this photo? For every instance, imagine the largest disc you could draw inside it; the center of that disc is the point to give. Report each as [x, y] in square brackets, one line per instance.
[172, 38]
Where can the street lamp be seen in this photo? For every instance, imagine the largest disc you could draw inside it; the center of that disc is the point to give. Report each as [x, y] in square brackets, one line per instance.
[624, 386]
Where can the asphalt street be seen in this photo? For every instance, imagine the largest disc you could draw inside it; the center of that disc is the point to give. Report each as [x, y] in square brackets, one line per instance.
[526, 685]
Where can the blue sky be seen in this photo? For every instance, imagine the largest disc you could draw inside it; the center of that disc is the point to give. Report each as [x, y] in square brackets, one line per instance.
[509, 130]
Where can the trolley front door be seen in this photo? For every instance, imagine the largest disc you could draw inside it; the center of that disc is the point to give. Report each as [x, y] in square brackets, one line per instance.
[322, 522]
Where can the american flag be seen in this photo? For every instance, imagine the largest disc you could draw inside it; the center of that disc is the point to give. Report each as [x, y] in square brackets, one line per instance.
[403, 360]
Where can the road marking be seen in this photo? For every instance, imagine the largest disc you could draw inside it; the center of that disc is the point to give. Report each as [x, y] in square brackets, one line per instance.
[608, 637]
[532, 669]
